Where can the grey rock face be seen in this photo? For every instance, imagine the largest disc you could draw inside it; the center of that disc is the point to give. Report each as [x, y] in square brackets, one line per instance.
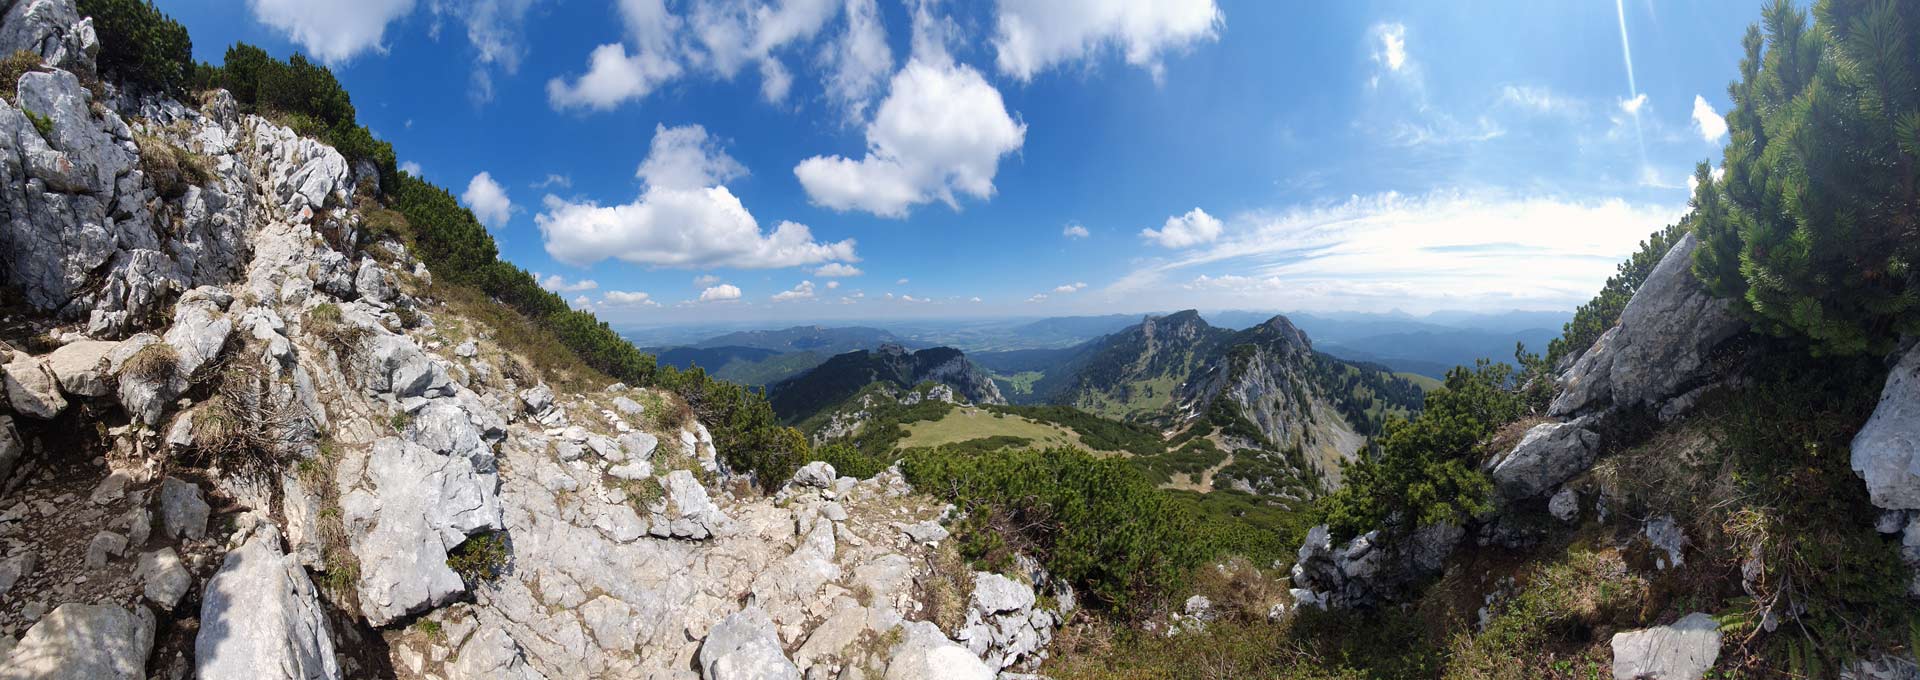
[11, 449]
[1684, 650]
[83, 642]
[1003, 628]
[744, 646]
[1367, 568]
[1565, 506]
[817, 474]
[924, 653]
[81, 368]
[183, 514]
[403, 513]
[1550, 453]
[1660, 347]
[53, 30]
[373, 282]
[31, 388]
[164, 577]
[491, 653]
[1667, 536]
[1886, 451]
[686, 511]
[260, 617]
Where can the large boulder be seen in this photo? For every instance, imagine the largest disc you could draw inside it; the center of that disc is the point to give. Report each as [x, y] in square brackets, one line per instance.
[1684, 650]
[404, 512]
[1660, 348]
[1886, 452]
[924, 653]
[744, 646]
[81, 368]
[11, 449]
[260, 617]
[1549, 454]
[31, 388]
[84, 642]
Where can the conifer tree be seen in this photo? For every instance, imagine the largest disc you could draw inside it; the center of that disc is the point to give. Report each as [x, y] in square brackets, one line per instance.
[1813, 226]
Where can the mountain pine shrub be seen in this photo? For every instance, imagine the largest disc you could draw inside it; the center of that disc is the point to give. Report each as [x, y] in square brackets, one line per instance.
[1815, 226]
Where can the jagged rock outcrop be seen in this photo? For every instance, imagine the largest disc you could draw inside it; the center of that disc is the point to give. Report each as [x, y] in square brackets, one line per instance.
[1003, 626]
[1660, 347]
[1368, 569]
[744, 646]
[404, 512]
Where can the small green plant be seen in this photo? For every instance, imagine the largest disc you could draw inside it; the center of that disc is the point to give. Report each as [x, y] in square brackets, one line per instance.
[40, 122]
[429, 628]
[642, 493]
[479, 558]
[400, 421]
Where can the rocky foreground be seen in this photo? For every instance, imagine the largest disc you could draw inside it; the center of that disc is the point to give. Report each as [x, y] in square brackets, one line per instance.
[243, 446]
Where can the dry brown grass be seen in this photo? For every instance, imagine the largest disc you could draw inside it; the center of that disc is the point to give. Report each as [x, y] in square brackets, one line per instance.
[538, 354]
[153, 363]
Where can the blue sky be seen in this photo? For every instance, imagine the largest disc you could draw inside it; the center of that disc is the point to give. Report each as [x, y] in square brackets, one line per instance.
[846, 159]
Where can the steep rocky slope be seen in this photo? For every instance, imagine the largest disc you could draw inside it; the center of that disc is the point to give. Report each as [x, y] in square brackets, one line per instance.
[237, 443]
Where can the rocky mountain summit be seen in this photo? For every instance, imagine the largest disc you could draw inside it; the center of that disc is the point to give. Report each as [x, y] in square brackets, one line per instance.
[242, 437]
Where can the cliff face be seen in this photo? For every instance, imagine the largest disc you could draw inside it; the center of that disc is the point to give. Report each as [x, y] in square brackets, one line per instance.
[235, 443]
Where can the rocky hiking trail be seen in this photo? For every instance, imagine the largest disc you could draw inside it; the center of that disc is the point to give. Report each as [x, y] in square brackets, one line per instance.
[237, 444]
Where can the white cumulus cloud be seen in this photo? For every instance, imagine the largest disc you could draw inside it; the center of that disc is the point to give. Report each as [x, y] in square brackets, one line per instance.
[804, 291]
[1707, 121]
[1185, 231]
[1074, 287]
[410, 168]
[720, 293]
[837, 270]
[939, 134]
[1075, 231]
[1391, 52]
[629, 299]
[559, 284]
[1032, 35]
[333, 31]
[858, 61]
[679, 221]
[488, 201]
[1633, 106]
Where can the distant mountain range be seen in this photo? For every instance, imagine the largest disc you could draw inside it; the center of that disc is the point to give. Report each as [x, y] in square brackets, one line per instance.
[1018, 351]
[844, 375]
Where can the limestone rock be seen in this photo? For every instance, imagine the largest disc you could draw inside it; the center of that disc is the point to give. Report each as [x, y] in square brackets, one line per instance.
[1002, 626]
[1549, 454]
[924, 653]
[373, 282]
[1684, 650]
[31, 388]
[183, 514]
[488, 654]
[744, 646]
[1565, 505]
[261, 618]
[81, 368]
[817, 474]
[410, 507]
[11, 449]
[164, 577]
[685, 511]
[1886, 451]
[1660, 347]
[84, 642]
